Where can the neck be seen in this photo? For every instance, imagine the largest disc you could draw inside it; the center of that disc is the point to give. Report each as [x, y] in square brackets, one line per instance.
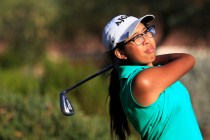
[150, 64]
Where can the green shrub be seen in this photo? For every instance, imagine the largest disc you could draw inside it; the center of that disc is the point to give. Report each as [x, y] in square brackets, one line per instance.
[38, 117]
[30, 109]
[19, 80]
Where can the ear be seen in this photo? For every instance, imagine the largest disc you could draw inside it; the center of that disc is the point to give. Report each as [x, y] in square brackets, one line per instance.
[120, 54]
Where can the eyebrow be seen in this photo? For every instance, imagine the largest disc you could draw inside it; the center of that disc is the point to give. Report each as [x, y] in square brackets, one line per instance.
[136, 33]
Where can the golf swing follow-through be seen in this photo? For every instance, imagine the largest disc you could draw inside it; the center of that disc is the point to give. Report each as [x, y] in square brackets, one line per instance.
[65, 105]
[144, 91]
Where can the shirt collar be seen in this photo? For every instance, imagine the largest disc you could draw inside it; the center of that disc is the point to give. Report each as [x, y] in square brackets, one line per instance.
[126, 71]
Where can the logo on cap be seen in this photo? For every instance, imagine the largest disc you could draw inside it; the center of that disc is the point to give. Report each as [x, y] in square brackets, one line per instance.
[121, 19]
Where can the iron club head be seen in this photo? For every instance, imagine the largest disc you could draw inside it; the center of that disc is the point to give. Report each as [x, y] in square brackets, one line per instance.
[65, 105]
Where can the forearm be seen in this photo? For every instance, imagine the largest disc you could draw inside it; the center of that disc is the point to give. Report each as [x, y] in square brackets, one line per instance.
[167, 58]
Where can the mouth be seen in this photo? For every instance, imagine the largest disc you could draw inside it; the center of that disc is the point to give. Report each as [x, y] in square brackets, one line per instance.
[150, 50]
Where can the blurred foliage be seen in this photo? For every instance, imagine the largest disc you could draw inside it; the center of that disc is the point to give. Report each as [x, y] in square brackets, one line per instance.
[24, 29]
[91, 16]
[37, 117]
[31, 81]
[29, 106]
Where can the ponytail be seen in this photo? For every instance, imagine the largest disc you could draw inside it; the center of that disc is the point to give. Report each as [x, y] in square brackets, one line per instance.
[119, 123]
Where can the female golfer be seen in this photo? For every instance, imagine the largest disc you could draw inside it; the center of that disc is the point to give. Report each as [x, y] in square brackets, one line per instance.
[144, 88]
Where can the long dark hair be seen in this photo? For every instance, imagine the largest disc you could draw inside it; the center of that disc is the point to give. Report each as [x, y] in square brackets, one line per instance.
[119, 125]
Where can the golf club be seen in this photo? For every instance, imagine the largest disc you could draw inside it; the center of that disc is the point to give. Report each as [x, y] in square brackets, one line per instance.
[65, 104]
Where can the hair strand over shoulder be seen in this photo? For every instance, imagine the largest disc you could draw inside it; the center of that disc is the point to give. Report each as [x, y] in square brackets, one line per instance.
[119, 123]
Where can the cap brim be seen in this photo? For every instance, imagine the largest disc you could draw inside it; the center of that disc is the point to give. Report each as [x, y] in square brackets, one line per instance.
[145, 19]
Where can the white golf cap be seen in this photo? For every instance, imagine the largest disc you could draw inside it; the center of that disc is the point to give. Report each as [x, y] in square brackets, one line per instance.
[120, 28]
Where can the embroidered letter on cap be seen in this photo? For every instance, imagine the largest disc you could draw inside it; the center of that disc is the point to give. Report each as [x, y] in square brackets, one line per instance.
[121, 19]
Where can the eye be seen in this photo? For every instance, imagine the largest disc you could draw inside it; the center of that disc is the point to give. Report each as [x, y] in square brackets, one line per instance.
[151, 29]
[137, 36]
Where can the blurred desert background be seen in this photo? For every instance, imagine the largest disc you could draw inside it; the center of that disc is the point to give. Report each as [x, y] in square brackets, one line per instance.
[47, 46]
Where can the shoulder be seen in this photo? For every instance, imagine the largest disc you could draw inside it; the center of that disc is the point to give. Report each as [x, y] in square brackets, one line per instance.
[143, 88]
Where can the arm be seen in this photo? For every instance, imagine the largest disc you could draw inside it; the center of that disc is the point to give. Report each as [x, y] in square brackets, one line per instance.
[166, 58]
[148, 84]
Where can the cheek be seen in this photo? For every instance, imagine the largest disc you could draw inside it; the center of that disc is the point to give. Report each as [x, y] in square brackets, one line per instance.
[135, 54]
[152, 42]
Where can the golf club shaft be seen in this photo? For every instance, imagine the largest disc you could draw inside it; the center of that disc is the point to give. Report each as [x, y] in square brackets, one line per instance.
[88, 78]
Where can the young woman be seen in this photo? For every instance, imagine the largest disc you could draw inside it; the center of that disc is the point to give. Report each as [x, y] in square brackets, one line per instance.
[144, 88]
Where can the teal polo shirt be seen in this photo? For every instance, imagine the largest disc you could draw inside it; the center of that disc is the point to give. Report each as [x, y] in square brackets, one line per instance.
[170, 117]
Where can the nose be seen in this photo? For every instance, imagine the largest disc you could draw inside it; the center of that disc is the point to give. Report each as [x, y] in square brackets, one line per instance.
[146, 39]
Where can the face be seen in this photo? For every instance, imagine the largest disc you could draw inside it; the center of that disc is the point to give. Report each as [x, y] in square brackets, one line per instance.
[143, 54]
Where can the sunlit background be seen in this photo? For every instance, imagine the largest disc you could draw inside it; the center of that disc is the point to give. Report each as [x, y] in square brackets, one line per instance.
[49, 45]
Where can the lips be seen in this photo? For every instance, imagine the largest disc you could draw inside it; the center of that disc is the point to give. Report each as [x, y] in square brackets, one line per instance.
[150, 50]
